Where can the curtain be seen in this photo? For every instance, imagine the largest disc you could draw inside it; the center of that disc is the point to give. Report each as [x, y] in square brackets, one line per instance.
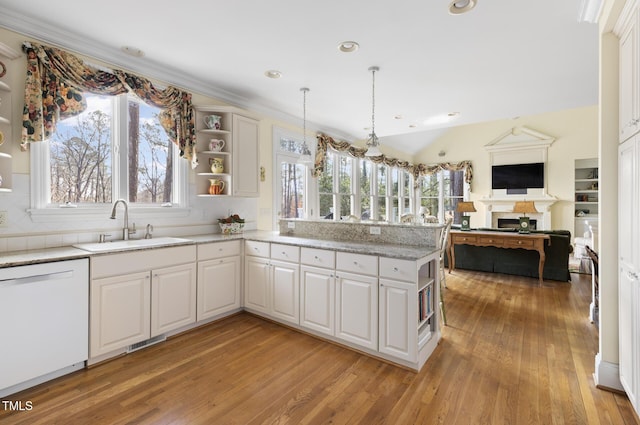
[56, 80]
[416, 170]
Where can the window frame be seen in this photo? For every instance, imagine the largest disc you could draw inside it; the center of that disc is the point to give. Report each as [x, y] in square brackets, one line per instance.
[42, 210]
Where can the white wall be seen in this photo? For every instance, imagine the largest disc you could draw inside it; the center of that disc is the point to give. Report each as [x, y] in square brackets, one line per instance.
[576, 133]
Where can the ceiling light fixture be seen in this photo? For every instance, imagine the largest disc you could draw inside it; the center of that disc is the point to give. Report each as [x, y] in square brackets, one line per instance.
[372, 143]
[273, 73]
[458, 7]
[305, 155]
[132, 51]
[348, 46]
[441, 119]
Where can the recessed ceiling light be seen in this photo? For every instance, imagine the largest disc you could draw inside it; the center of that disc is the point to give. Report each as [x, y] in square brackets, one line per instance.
[348, 46]
[412, 126]
[132, 51]
[458, 7]
[273, 73]
[398, 117]
[441, 119]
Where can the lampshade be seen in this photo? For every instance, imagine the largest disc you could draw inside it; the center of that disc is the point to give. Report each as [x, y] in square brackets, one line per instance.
[465, 207]
[525, 207]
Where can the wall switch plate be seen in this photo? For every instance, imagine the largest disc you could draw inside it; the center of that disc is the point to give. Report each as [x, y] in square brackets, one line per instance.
[291, 225]
[4, 219]
[374, 230]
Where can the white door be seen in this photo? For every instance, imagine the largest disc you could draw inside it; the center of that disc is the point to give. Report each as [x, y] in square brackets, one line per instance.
[285, 284]
[218, 287]
[173, 298]
[256, 284]
[357, 309]
[398, 320]
[317, 299]
[120, 312]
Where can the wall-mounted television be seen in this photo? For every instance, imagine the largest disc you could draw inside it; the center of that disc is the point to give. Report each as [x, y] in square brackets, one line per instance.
[518, 176]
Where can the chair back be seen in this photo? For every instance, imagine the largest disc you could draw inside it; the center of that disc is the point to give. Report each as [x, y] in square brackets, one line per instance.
[444, 235]
[594, 262]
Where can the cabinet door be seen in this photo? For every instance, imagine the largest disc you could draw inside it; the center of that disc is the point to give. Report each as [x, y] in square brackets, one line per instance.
[120, 312]
[173, 298]
[398, 319]
[628, 328]
[285, 297]
[357, 309]
[629, 88]
[246, 156]
[317, 299]
[256, 284]
[218, 287]
[628, 188]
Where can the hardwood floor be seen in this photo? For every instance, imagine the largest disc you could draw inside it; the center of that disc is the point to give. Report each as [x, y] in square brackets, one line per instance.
[513, 353]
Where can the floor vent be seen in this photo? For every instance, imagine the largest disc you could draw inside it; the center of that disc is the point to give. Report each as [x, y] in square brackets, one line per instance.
[142, 344]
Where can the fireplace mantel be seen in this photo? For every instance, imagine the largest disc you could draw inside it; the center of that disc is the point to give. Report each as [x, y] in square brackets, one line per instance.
[502, 207]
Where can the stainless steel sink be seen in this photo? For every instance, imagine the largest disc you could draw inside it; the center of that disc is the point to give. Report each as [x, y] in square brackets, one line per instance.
[130, 244]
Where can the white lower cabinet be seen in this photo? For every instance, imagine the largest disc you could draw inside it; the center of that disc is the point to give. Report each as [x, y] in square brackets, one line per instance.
[317, 310]
[173, 298]
[357, 309]
[271, 283]
[397, 314]
[219, 279]
[138, 295]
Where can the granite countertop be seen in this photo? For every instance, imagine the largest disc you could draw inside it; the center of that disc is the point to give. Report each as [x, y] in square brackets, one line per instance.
[406, 252]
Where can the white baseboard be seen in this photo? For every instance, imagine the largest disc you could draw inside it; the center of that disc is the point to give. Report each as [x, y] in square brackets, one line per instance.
[607, 375]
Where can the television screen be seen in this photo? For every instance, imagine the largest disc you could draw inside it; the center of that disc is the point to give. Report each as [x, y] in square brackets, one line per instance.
[518, 176]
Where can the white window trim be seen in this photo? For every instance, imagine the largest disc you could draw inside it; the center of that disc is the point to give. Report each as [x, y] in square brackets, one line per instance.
[42, 212]
[466, 190]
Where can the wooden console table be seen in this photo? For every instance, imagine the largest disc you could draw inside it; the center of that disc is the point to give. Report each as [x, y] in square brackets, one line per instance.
[530, 241]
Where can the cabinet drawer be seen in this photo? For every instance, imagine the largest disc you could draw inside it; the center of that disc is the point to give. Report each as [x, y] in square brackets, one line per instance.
[524, 243]
[256, 249]
[285, 252]
[488, 240]
[463, 239]
[357, 263]
[318, 257]
[395, 269]
[210, 251]
[141, 260]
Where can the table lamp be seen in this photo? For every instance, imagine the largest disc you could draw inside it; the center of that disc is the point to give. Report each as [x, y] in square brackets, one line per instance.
[524, 208]
[465, 207]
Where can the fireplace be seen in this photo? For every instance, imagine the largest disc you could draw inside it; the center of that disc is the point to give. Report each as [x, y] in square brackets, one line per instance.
[514, 223]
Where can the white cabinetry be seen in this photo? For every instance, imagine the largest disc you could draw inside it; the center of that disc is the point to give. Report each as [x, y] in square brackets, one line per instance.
[271, 283]
[629, 267]
[138, 295]
[6, 139]
[218, 279]
[408, 297]
[629, 111]
[239, 156]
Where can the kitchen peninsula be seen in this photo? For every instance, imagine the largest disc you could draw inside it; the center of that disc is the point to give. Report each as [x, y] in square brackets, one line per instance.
[379, 298]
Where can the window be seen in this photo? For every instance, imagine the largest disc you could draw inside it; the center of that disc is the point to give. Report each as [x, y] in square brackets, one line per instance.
[292, 178]
[115, 149]
[440, 194]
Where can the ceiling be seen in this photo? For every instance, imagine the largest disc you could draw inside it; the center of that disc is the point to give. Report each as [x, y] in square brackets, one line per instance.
[505, 58]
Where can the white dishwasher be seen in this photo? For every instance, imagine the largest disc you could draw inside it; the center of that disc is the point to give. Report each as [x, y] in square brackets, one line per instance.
[44, 314]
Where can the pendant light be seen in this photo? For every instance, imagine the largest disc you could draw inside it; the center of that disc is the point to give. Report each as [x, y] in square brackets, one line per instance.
[305, 155]
[372, 142]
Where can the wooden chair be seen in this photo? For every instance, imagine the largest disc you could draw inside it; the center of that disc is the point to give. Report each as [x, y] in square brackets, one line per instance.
[595, 284]
[444, 239]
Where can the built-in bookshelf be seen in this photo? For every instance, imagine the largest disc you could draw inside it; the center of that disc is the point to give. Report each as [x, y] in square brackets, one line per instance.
[426, 301]
[586, 195]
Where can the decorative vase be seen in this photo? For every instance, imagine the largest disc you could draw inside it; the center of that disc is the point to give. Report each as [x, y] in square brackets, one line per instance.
[213, 122]
[217, 165]
[216, 187]
[216, 145]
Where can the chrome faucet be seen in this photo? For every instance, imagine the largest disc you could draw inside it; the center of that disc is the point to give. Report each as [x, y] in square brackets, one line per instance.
[125, 230]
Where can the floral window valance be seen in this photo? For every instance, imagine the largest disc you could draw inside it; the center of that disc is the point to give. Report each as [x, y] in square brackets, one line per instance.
[416, 170]
[56, 80]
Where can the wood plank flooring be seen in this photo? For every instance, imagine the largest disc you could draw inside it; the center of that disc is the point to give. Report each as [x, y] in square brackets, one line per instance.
[513, 353]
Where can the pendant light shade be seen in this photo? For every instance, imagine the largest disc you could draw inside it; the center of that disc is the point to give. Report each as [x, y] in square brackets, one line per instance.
[305, 154]
[373, 148]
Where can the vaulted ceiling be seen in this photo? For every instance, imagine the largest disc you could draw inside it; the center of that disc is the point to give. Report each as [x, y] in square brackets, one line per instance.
[503, 59]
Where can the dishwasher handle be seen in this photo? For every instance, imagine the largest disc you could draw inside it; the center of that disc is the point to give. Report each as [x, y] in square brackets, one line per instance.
[36, 278]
